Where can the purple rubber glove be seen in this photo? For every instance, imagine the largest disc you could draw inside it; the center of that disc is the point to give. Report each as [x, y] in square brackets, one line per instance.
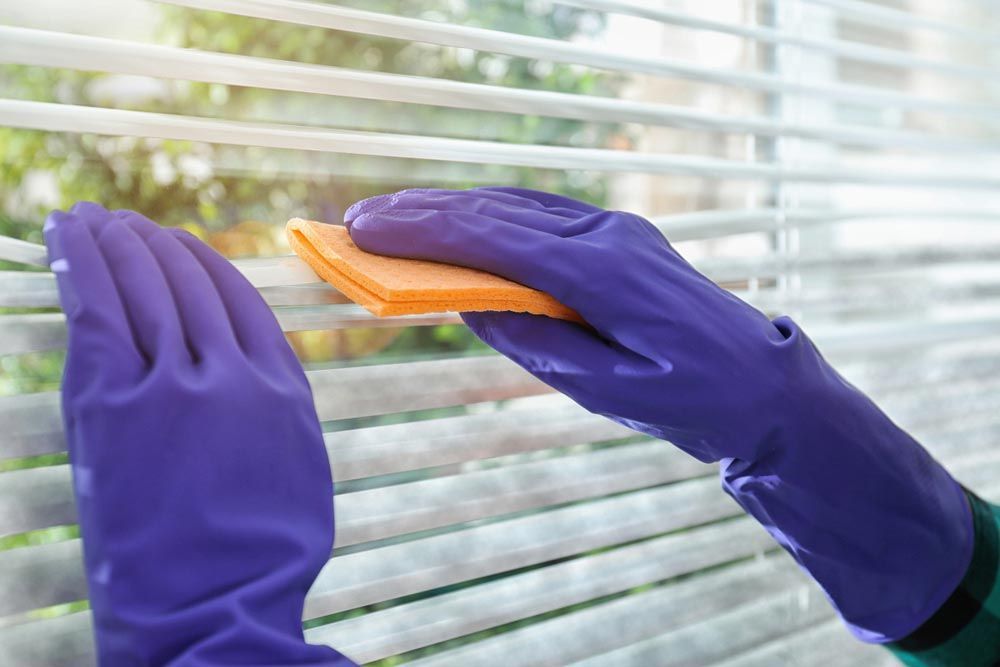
[861, 506]
[202, 484]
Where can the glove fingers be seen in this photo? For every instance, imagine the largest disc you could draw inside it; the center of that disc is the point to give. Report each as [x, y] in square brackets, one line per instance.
[546, 199]
[202, 313]
[506, 198]
[380, 202]
[536, 217]
[255, 326]
[94, 311]
[143, 290]
[523, 202]
[476, 241]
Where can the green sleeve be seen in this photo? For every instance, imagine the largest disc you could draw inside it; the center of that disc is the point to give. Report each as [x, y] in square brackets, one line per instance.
[965, 631]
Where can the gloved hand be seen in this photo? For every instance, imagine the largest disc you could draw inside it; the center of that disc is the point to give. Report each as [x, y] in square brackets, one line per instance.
[863, 507]
[202, 484]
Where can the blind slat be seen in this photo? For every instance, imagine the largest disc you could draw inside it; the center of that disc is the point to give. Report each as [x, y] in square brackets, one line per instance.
[768, 588]
[827, 644]
[732, 628]
[335, 17]
[22, 252]
[50, 49]
[43, 497]
[36, 332]
[890, 18]
[707, 224]
[728, 633]
[29, 289]
[840, 48]
[376, 514]
[33, 332]
[32, 425]
[405, 627]
[393, 448]
[727, 270]
[39, 332]
[38, 290]
[117, 122]
[53, 573]
[36, 498]
[63, 641]
[410, 626]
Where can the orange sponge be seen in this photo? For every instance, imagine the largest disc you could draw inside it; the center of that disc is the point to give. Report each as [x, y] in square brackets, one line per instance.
[394, 286]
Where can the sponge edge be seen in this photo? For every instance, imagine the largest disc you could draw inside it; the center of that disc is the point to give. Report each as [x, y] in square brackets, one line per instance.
[388, 286]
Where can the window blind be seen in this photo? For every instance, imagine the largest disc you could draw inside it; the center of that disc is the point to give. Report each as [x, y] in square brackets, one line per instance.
[835, 160]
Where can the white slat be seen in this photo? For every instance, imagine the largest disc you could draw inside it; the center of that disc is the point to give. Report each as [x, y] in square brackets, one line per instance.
[724, 222]
[874, 337]
[309, 294]
[36, 498]
[728, 269]
[38, 290]
[841, 48]
[827, 644]
[684, 606]
[371, 23]
[414, 625]
[47, 574]
[36, 332]
[728, 630]
[384, 512]
[393, 448]
[22, 252]
[32, 423]
[20, 289]
[117, 122]
[53, 573]
[280, 278]
[65, 641]
[42, 497]
[890, 18]
[69, 643]
[735, 631]
[273, 276]
[64, 50]
[32, 332]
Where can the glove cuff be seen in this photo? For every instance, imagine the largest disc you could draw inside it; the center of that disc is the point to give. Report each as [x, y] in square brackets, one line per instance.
[965, 629]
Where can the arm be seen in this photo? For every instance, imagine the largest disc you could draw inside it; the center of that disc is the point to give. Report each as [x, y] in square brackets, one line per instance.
[202, 484]
[862, 507]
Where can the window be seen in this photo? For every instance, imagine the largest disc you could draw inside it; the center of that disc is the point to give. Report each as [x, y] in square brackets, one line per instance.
[835, 160]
